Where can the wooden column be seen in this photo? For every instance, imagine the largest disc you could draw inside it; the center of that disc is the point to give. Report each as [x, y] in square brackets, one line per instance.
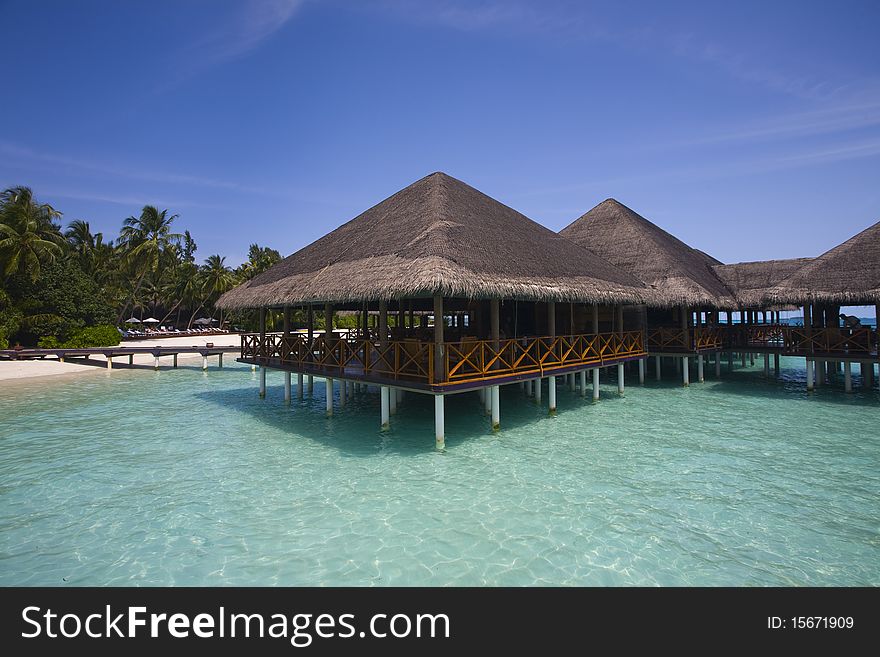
[595, 318]
[310, 325]
[286, 321]
[551, 331]
[328, 320]
[439, 374]
[495, 329]
[383, 323]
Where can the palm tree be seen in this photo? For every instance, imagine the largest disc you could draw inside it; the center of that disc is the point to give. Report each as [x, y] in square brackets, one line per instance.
[216, 278]
[29, 235]
[145, 239]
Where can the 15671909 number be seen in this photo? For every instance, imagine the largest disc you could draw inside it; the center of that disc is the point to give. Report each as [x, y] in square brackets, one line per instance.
[810, 623]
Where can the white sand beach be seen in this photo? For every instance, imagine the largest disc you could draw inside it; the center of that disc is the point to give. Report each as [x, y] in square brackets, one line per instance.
[13, 370]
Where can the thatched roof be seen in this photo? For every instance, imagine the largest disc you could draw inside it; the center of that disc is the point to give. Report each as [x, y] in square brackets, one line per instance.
[676, 273]
[438, 235]
[848, 274]
[751, 281]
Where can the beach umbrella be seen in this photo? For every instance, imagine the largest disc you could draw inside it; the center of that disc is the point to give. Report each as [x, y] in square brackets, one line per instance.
[151, 320]
[202, 321]
[132, 320]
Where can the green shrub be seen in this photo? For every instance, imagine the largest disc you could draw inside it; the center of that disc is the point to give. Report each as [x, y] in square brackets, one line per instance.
[48, 342]
[103, 335]
[4, 343]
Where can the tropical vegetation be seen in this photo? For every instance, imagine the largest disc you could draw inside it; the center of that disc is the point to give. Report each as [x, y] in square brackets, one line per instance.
[69, 286]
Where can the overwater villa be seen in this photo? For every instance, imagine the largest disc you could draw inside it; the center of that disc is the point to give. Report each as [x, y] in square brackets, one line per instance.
[456, 292]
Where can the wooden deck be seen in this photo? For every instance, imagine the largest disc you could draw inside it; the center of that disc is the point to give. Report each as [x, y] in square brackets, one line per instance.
[464, 365]
[113, 352]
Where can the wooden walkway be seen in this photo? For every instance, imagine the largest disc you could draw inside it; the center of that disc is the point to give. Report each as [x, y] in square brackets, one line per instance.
[120, 352]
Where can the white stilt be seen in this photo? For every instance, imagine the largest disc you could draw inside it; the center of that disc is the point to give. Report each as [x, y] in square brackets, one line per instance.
[717, 364]
[752, 359]
[496, 408]
[700, 376]
[776, 365]
[299, 386]
[253, 367]
[847, 376]
[620, 378]
[204, 361]
[110, 362]
[583, 383]
[657, 367]
[392, 401]
[641, 371]
[487, 400]
[538, 390]
[384, 396]
[156, 363]
[439, 428]
[551, 393]
[595, 384]
[262, 382]
[809, 374]
[767, 366]
[328, 390]
[685, 371]
[287, 386]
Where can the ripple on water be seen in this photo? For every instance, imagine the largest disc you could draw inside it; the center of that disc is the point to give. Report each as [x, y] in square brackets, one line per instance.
[189, 479]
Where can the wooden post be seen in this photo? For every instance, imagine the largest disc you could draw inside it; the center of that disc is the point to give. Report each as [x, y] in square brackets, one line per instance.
[439, 374]
[262, 349]
[551, 331]
[767, 366]
[492, 395]
[286, 321]
[717, 364]
[392, 401]
[641, 371]
[776, 365]
[328, 322]
[262, 382]
[130, 360]
[595, 319]
[299, 386]
[311, 337]
[383, 323]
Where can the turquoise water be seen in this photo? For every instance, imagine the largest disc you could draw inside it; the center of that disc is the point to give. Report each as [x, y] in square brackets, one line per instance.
[187, 478]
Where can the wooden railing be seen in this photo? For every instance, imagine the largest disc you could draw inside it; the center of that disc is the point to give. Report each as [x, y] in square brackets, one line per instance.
[468, 360]
[685, 340]
[801, 340]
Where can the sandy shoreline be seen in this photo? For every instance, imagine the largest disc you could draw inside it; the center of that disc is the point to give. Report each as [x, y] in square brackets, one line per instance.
[15, 370]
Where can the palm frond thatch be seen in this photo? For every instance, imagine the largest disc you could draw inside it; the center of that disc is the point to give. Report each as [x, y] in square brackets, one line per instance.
[438, 235]
[676, 273]
[751, 281]
[848, 274]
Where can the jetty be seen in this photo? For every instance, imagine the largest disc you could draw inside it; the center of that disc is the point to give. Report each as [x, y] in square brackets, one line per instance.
[110, 353]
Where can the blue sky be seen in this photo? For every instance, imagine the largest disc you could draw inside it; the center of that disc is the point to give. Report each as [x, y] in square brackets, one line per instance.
[751, 130]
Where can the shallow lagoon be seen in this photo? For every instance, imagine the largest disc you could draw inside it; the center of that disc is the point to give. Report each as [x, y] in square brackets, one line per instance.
[188, 478]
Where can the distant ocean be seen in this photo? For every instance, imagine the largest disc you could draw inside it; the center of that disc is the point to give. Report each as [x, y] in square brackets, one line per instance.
[799, 321]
